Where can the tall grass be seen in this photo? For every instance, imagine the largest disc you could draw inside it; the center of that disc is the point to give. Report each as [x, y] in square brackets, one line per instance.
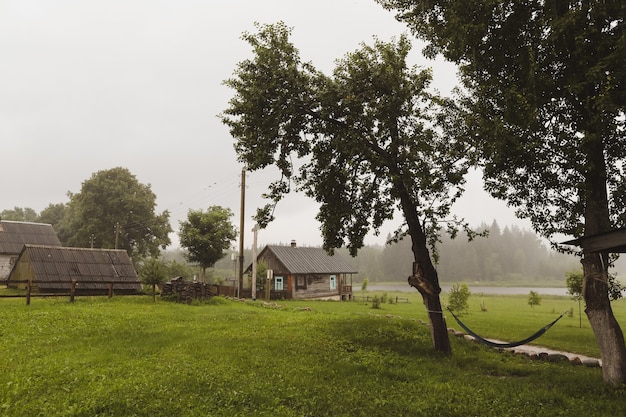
[132, 357]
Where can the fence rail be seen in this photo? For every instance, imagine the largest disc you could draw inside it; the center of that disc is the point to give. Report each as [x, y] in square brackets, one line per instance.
[30, 284]
[368, 298]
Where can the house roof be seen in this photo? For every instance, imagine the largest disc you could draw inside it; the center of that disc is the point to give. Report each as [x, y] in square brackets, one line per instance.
[608, 242]
[14, 235]
[51, 264]
[307, 260]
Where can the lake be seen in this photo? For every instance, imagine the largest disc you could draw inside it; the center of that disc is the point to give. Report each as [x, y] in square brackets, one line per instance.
[475, 289]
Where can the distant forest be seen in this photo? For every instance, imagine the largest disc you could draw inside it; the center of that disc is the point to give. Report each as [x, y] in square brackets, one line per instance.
[508, 255]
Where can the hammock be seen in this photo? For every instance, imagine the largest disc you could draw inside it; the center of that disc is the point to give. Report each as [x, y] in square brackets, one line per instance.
[505, 345]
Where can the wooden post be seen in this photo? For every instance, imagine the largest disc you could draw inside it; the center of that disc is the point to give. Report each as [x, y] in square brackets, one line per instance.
[72, 290]
[28, 290]
[110, 290]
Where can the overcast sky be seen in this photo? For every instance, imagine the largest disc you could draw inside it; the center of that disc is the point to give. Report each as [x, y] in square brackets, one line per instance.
[92, 85]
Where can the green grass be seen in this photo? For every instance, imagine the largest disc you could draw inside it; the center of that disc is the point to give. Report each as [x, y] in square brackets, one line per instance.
[132, 357]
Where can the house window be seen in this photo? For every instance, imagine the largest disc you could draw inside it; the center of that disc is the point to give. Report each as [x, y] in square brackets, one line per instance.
[333, 282]
[300, 282]
[278, 283]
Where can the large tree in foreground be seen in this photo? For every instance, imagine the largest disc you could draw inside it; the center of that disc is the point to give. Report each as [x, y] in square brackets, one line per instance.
[206, 235]
[366, 141]
[546, 84]
[114, 210]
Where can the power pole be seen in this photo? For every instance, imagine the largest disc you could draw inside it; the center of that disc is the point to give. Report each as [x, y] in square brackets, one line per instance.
[255, 230]
[117, 233]
[241, 226]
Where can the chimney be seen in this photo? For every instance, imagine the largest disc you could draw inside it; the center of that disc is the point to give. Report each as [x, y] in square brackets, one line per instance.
[293, 243]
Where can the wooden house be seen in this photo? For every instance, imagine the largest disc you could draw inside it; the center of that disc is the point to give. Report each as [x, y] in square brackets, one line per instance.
[13, 237]
[307, 273]
[53, 268]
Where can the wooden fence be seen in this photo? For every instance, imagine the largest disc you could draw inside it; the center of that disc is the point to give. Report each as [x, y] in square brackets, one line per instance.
[71, 292]
[368, 298]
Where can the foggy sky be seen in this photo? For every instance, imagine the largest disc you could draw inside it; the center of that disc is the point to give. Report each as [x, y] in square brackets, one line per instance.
[92, 85]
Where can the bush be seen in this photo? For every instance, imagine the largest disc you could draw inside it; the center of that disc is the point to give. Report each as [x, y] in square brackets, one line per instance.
[534, 299]
[458, 296]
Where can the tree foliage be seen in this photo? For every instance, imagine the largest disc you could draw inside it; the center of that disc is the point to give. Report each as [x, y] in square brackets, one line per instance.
[534, 299]
[458, 297]
[19, 214]
[368, 140]
[153, 271]
[545, 102]
[113, 209]
[206, 235]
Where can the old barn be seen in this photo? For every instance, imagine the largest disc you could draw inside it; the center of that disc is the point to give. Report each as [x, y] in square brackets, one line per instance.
[52, 269]
[14, 235]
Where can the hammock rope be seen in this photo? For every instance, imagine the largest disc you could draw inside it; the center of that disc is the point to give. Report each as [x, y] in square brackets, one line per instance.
[505, 345]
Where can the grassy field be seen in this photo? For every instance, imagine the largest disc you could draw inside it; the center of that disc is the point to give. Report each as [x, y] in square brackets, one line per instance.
[132, 357]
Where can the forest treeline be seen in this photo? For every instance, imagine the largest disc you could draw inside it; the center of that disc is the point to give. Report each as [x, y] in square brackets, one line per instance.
[506, 255]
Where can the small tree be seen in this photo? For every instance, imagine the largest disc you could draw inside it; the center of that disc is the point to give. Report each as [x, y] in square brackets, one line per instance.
[153, 272]
[534, 299]
[574, 282]
[206, 236]
[458, 296]
[364, 284]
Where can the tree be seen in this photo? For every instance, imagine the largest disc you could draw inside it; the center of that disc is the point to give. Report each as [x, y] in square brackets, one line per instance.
[53, 214]
[574, 282]
[546, 97]
[533, 299]
[19, 214]
[207, 235]
[114, 210]
[153, 271]
[458, 296]
[368, 141]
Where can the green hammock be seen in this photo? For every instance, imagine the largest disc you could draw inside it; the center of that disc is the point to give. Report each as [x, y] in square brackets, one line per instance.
[505, 345]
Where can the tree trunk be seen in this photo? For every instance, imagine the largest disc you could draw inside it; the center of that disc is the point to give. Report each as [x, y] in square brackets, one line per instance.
[424, 277]
[429, 288]
[595, 266]
[605, 327]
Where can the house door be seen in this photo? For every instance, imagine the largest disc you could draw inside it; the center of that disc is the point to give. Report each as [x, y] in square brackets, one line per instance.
[333, 282]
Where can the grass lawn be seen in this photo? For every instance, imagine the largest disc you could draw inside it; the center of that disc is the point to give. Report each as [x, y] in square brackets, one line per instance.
[128, 356]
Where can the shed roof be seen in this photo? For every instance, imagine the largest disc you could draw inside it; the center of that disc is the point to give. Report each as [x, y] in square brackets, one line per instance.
[98, 267]
[613, 241]
[308, 260]
[14, 235]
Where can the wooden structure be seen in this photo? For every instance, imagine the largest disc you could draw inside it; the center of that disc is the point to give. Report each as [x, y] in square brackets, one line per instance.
[13, 237]
[53, 269]
[305, 273]
[608, 242]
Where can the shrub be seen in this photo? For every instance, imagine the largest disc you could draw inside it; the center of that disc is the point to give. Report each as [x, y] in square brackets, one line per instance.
[458, 296]
[534, 299]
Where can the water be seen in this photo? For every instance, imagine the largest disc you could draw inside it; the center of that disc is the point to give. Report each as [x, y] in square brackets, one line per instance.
[476, 289]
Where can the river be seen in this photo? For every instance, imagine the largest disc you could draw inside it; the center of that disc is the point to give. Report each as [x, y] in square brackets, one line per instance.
[475, 289]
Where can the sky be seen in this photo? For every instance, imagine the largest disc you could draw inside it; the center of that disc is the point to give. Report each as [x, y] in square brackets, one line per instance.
[87, 86]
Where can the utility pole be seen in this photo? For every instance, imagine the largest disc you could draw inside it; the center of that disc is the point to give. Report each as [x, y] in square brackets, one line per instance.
[241, 226]
[117, 233]
[255, 230]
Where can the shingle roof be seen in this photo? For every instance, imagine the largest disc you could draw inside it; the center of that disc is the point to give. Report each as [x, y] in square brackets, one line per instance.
[98, 266]
[303, 260]
[14, 235]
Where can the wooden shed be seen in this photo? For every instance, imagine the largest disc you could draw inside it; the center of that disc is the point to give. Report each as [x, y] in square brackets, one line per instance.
[52, 269]
[14, 235]
[307, 273]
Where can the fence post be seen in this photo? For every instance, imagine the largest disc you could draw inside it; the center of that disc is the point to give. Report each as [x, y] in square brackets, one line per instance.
[28, 290]
[110, 290]
[72, 290]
